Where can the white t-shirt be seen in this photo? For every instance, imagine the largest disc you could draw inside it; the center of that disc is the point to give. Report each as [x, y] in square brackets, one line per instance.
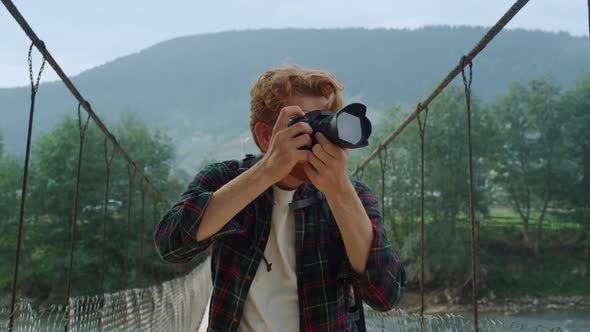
[272, 304]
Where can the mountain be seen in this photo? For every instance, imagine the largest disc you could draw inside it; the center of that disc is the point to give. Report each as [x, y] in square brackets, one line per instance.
[197, 87]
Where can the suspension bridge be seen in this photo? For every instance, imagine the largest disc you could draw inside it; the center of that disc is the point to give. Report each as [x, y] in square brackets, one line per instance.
[177, 298]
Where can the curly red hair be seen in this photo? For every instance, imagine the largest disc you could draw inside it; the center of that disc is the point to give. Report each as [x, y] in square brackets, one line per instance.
[271, 90]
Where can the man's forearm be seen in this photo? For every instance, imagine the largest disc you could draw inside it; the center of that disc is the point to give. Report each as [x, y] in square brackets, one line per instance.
[230, 199]
[354, 225]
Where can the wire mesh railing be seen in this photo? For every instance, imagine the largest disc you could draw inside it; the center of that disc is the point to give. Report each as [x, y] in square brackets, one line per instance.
[173, 305]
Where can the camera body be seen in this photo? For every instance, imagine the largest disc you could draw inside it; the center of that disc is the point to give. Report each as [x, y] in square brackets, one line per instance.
[315, 120]
[347, 128]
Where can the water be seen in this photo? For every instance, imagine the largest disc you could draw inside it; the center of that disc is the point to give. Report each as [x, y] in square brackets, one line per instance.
[566, 320]
[548, 320]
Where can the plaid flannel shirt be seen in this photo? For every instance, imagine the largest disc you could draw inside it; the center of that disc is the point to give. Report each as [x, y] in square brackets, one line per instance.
[325, 297]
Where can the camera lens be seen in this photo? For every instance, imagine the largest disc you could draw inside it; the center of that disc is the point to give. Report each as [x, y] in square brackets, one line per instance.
[349, 128]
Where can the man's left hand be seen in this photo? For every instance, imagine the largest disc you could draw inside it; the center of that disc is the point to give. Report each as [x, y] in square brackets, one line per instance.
[328, 166]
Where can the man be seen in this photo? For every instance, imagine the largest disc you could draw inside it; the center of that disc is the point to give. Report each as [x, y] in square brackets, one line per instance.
[319, 252]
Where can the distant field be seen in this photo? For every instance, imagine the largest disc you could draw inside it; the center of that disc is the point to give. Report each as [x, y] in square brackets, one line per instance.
[509, 219]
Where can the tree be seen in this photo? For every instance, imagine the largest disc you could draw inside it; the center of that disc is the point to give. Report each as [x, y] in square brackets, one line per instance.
[46, 246]
[574, 109]
[532, 150]
[446, 184]
[10, 185]
[10, 178]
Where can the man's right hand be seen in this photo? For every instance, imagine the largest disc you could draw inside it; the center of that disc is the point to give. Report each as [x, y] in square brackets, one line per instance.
[281, 156]
[284, 149]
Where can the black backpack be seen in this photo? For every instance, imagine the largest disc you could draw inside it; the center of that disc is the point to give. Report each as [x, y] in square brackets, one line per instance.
[356, 313]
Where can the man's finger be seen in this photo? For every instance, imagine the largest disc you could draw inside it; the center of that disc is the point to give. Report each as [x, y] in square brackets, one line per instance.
[284, 116]
[327, 146]
[302, 155]
[318, 151]
[311, 173]
[317, 163]
[299, 128]
[302, 140]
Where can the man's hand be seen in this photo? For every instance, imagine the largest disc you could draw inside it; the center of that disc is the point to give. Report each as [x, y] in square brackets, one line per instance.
[285, 143]
[282, 154]
[328, 172]
[328, 166]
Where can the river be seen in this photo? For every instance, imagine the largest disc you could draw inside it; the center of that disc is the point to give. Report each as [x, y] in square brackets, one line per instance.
[547, 320]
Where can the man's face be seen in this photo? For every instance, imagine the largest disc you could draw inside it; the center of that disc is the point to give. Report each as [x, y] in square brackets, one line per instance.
[307, 104]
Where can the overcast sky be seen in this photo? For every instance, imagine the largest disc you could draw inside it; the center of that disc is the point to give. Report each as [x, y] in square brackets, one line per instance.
[83, 34]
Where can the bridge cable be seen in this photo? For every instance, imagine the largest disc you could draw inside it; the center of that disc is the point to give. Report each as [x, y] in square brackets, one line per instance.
[131, 179]
[34, 88]
[382, 164]
[108, 160]
[467, 85]
[82, 131]
[422, 130]
[142, 234]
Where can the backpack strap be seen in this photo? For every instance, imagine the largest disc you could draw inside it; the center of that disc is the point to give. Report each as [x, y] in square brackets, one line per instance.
[248, 162]
[361, 324]
[355, 312]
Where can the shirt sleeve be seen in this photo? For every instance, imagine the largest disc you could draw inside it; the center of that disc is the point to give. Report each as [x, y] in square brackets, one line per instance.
[175, 236]
[384, 280]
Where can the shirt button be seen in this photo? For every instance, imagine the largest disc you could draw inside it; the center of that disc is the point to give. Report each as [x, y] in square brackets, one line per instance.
[248, 278]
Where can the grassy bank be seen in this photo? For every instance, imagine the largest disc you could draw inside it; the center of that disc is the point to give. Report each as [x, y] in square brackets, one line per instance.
[510, 267]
